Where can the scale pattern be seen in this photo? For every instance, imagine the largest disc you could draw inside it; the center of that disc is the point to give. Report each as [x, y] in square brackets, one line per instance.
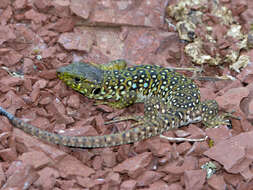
[171, 100]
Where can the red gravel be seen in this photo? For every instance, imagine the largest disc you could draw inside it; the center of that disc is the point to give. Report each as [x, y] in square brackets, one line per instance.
[39, 36]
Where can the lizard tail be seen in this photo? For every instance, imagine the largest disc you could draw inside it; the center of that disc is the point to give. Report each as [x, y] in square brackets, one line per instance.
[125, 137]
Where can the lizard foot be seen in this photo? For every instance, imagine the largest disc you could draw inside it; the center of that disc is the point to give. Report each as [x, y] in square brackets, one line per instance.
[221, 120]
[138, 119]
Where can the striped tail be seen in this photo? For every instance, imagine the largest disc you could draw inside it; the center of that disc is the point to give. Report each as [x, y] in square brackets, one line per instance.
[125, 137]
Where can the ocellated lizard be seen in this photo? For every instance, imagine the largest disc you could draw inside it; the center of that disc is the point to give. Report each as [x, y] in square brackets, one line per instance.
[171, 100]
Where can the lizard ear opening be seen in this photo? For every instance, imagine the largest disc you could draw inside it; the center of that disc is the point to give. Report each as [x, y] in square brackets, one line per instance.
[96, 90]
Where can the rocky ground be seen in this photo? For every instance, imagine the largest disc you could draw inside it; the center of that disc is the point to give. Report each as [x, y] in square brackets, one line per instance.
[39, 36]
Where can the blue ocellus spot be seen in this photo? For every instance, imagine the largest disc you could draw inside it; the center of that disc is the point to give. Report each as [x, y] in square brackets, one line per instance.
[134, 86]
[145, 85]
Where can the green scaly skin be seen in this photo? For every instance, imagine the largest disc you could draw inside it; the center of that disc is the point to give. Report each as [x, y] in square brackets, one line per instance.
[170, 101]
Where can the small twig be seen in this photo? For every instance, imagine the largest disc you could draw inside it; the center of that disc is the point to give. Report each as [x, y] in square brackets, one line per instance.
[12, 73]
[170, 24]
[215, 78]
[183, 139]
[194, 69]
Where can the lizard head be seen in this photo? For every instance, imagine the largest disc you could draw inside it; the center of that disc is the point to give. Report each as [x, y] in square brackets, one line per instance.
[82, 77]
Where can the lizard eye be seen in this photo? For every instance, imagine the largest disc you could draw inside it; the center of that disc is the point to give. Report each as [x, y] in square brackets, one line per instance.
[96, 90]
[77, 80]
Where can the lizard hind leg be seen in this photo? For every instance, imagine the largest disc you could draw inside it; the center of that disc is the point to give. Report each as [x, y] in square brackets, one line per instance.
[210, 116]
